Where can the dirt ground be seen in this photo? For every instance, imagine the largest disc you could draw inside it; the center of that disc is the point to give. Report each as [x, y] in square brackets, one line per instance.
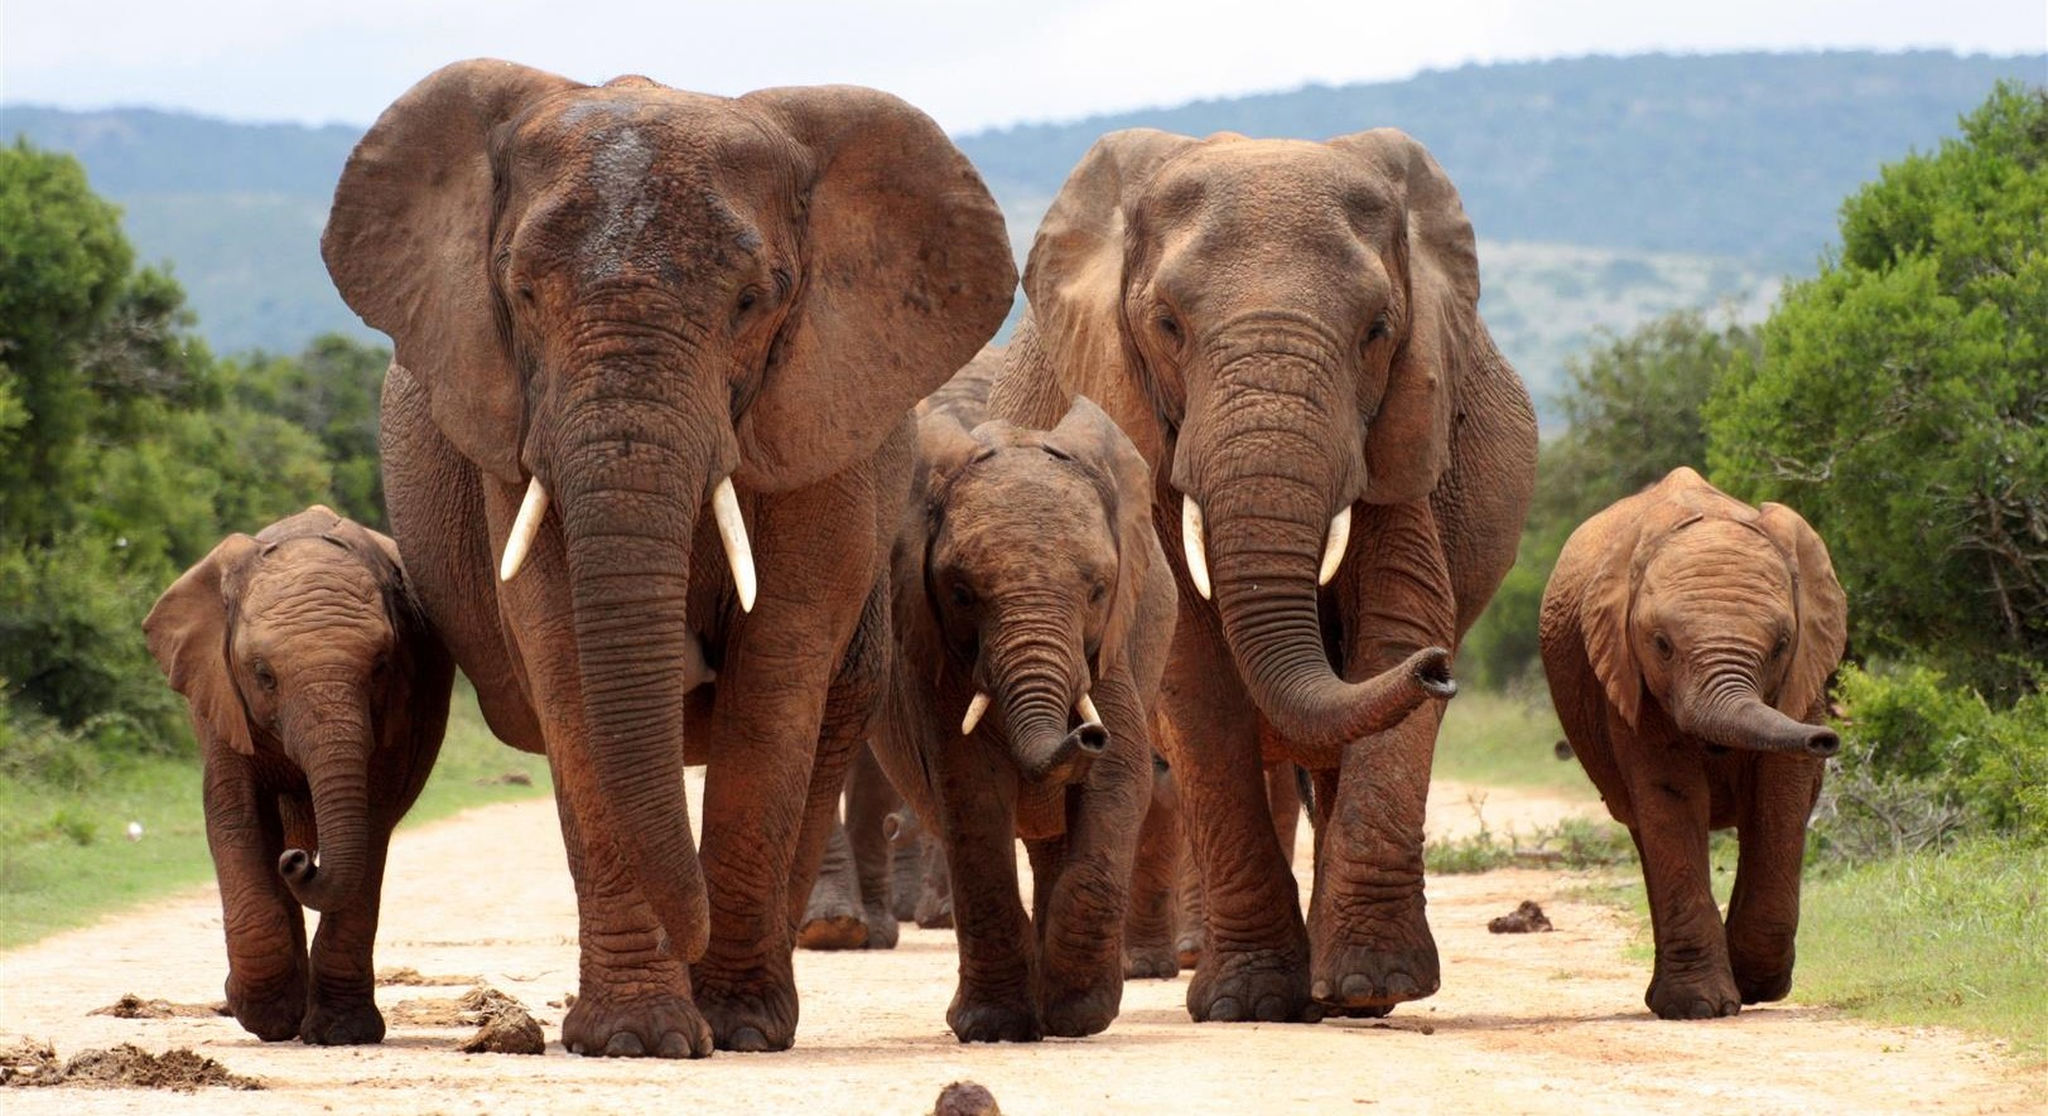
[1545, 1022]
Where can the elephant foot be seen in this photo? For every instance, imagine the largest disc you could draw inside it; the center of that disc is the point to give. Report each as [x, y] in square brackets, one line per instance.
[353, 1024]
[990, 1016]
[1151, 963]
[1085, 1011]
[1187, 948]
[752, 1013]
[1355, 980]
[1675, 997]
[1763, 985]
[273, 1016]
[606, 1024]
[844, 930]
[1263, 985]
[882, 928]
[934, 914]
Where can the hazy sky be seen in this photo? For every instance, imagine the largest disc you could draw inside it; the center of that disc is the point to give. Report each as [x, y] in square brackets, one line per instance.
[970, 64]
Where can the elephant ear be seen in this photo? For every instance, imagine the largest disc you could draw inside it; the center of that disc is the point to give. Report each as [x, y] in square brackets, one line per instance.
[1822, 609]
[908, 273]
[1604, 606]
[1074, 279]
[408, 246]
[187, 632]
[1409, 448]
[1089, 436]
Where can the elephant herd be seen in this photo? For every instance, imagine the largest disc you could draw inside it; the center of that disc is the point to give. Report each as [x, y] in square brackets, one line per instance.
[693, 454]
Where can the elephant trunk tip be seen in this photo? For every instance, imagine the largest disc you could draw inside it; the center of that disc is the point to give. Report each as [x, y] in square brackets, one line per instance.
[1091, 738]
[1431, 669]
[297, 867]
[1823, 742]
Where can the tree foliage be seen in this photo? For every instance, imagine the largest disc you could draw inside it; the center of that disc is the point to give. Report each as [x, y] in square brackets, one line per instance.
[127, 451]
[1900, 402]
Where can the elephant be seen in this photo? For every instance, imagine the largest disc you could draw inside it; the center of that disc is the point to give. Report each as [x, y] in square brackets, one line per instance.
[319, 695]
[1034, 609]
[1688, 639]
[1289, 332]
[655, 353]
[853, 904]
[1284, 782]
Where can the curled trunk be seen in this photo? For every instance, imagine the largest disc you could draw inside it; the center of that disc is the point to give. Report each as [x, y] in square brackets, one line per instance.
[338, 775]
[1740, 719]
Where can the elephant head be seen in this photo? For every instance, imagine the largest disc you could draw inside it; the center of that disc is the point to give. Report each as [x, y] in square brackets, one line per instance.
[630, 299]
[1728, 617]
[1302, 319]
[298, 642]
[1034, 548]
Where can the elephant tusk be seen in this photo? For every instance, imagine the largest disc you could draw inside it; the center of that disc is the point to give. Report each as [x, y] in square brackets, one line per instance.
[1086, 708]
[1192, 543]
[1333, 550]
[975, 709]
[732, 531]
[525, 526]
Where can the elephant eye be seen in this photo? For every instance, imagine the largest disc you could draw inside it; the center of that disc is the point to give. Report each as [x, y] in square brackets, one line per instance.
[748, 298]
[1170, 326]
[1098, 591]
[264, 677]
[1662, 644]
[963, 596]
[1380, 328]
[1778, 651]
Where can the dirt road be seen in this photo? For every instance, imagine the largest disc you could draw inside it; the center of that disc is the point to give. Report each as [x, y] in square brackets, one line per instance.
[1527, 1023]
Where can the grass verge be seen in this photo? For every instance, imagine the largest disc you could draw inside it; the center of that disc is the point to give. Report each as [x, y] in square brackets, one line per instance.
[65, 856]
[1499, 739]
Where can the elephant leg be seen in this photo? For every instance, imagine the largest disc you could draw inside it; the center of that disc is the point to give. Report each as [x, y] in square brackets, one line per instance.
[998, 954]
[1369, 933]
[1283, 798]
[935, 885]
[776, 761]
[906, 863]
[1668, 789]
[1081, 936]
[266, 931]
[633, 993]
[1763, 911]
[870, 799]
[1148, 928]
[343, 1007]
[1255, 961]
[831, 919]
[1190, 917]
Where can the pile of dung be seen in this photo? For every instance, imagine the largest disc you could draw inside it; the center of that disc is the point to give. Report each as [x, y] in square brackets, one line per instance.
[124, 1067]
[1525, 919]
[413, 978]
[132, 1006]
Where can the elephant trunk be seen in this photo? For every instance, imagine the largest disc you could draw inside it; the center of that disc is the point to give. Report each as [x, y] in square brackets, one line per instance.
[630, 501]
[336, 742]
[1033, 689]
[1734, 716]
[1268, 534]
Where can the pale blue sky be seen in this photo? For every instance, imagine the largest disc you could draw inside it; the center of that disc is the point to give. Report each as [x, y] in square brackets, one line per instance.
[970, 64]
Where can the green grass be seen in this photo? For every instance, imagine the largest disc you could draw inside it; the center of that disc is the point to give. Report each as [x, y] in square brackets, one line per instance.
[1502, 740]
[1957, 938]
[65, 858]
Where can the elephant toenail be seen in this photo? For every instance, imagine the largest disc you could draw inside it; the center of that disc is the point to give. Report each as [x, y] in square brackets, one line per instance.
[674, 1045]
[1321, 991]
[1402, 986]
[1357, 986]
[625, 1044]
[748, 1040]
[1226, 1010]
[1272, 1009]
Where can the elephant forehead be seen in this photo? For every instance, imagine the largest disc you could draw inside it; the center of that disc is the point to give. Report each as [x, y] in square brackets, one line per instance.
[1023, 505]
[1716, 555]
[1273, 178]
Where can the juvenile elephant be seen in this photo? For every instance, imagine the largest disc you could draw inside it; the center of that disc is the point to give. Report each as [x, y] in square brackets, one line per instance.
[647, 425]
[1688, 639]
[319, 695]
[1290, 334]
[1033, 608]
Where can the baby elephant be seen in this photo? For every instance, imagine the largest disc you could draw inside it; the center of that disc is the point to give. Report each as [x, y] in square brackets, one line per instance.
[319, 696]
[1033, 608]
[1688, 639]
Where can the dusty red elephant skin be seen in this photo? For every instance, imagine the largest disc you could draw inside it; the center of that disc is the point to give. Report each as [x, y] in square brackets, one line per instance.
[1687, 638]
[623, 315]
[1289, 332]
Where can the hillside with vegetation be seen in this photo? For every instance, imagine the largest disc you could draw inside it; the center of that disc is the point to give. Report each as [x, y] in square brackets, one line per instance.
[1606, 190]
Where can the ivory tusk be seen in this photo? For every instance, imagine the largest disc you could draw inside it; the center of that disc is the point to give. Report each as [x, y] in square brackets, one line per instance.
[975, 709]
[1333, 550]
[525, 526]
[1086, 708]
[1192, 543]
[732, 532]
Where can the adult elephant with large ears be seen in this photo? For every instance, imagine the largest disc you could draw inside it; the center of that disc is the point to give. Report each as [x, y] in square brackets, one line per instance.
[624, 315]
[1290, 333]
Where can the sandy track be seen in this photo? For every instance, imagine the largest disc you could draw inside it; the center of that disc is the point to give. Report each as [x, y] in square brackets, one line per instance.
[1531, 1023]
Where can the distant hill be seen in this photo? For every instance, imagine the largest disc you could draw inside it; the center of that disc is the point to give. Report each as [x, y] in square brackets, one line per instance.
[1604, 189]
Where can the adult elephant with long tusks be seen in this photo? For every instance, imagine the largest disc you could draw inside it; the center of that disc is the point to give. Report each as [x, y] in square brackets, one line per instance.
[1289, 331]
[646, 428]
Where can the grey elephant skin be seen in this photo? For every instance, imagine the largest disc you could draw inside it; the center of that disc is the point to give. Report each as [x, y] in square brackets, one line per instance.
[1688, 639]
[1289, 332]
[319, 694]
[645, 443]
